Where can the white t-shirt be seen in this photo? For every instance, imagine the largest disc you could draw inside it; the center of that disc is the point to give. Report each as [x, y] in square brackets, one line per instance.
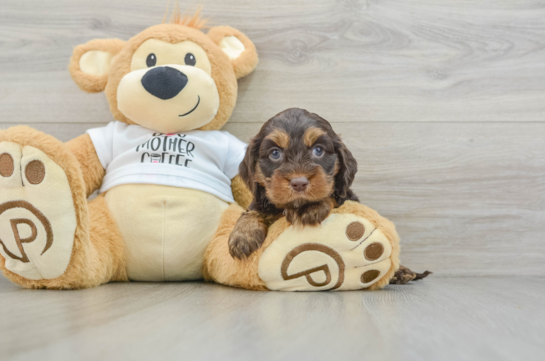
[198, 159]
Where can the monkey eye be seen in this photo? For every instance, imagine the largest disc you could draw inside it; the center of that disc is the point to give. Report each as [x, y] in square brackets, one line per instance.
[190, 59]
[151, 60]
[318, 151]
[275, 154]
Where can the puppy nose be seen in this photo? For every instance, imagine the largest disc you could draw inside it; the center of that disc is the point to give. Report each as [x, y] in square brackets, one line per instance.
[299, 184]
[164, 82]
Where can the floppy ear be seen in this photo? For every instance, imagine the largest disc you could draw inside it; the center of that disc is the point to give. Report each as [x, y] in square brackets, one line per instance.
[238, 48]
[90, 63]
[246, 169]
[348, 166]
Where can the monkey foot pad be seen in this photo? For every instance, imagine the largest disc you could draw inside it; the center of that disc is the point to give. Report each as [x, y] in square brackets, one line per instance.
[346, 252]
[37, 217]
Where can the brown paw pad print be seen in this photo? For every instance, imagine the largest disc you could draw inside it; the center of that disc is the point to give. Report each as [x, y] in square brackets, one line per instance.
[309, 247]
[373, 251]
[35, 172]
[355, 230]
[369, 276]
[6, 165]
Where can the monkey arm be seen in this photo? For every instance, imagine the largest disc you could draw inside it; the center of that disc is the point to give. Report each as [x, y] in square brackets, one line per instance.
[241, 193]
[82, 147]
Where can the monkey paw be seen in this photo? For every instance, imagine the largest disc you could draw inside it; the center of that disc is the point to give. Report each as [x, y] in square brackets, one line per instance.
[346, 252]
[37, 217]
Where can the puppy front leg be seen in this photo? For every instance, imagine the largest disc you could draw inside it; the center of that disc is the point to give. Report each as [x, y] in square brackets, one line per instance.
[249, 233]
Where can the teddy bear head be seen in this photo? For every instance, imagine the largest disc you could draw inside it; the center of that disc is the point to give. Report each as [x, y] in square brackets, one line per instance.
[170, 77]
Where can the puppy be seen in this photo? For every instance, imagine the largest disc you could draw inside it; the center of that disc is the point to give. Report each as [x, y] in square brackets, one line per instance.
[296, 166]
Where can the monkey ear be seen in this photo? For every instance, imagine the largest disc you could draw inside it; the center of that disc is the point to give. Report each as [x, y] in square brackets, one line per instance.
[90, 63]
[238, 48]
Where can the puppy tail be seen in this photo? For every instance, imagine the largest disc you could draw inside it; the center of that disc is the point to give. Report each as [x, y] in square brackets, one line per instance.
[404, 275]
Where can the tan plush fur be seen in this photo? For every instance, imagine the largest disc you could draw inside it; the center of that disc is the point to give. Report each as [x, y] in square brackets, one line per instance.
[194, 21]
[241, 193]
[97, 255]
[222, 268]
[86, 82]
[247, 62]
[84, 151]
[107, 248]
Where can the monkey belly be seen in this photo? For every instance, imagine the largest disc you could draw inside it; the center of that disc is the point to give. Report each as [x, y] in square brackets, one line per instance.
[166, 229]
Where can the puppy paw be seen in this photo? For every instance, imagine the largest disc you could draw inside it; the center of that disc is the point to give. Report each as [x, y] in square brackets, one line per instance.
[247, 236]
[243, 244]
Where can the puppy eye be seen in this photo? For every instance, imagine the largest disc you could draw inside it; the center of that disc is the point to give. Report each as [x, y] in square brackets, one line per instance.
[318, 151]
[275, 154]
[151, 60]
[190, 59]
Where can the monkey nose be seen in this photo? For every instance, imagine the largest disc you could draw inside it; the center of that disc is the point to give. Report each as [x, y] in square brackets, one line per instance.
[164, 82]
[299, 184]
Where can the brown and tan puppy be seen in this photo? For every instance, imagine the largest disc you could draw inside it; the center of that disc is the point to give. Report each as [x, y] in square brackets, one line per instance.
[296, 166]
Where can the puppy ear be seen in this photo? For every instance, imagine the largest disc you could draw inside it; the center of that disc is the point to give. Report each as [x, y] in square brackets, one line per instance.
[238, 48]
[348, 166]
[90, 63]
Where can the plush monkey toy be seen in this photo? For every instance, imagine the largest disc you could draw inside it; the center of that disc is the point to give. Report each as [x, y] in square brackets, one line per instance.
[169, 193]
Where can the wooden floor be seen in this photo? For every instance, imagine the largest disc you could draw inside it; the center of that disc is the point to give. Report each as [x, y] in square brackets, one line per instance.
[436, 319]
[441, 102]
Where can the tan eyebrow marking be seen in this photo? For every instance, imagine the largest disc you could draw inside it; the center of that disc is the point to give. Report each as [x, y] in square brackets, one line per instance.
[280, 137]
[311, 136]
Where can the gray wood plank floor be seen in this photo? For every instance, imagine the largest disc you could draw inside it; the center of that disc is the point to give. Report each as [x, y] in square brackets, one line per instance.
[437, 319]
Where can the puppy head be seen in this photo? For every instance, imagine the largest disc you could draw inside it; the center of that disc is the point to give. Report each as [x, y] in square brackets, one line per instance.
[297, 158]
